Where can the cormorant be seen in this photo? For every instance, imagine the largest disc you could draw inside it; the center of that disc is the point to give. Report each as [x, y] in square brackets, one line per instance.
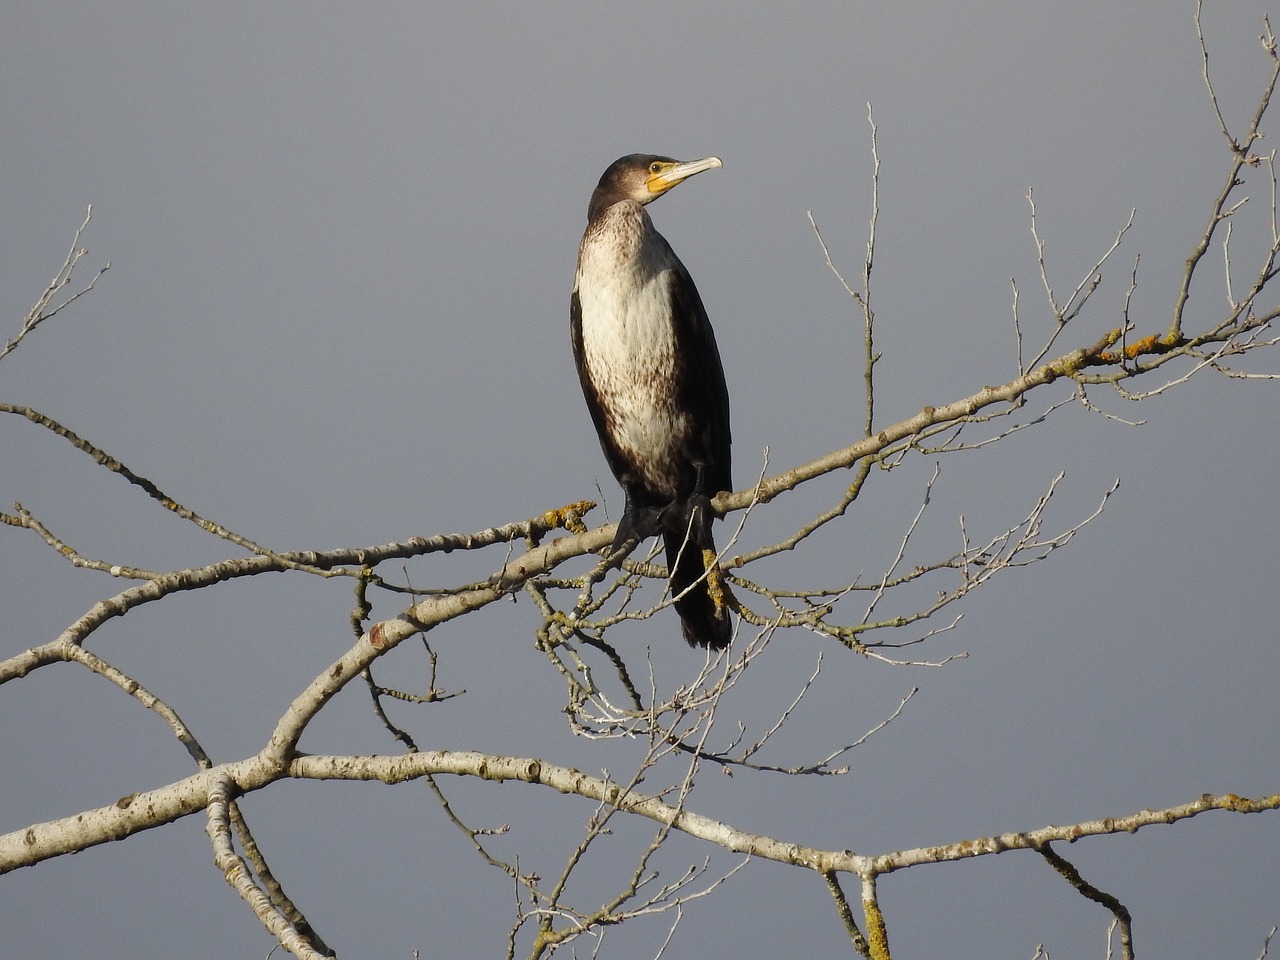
[651, 373]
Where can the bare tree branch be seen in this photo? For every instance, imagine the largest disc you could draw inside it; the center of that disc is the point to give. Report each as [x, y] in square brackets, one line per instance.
[44, 308]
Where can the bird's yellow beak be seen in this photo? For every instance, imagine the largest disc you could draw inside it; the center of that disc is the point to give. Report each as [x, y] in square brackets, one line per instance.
[663, 176]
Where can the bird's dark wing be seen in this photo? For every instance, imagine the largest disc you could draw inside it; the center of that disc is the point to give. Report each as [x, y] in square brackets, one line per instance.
[702, 385]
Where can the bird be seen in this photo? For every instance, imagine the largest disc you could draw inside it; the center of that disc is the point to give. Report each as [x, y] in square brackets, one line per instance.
[654, 384]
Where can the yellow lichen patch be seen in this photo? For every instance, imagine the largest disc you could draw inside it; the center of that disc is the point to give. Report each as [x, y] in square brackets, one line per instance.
[1145, 345]
[716, 587]
[569, 516]
[877, 935]
[1132, 351]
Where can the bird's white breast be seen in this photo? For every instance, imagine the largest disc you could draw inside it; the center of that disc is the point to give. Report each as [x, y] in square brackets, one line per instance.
[629, 347]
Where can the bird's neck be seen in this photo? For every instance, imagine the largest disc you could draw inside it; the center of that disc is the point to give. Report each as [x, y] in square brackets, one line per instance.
[621, 239]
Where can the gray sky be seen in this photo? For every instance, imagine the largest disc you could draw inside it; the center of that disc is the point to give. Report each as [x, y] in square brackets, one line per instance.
[342, 240]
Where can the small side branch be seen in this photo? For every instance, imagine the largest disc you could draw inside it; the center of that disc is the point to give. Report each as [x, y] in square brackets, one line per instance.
[240, 878]
[1069, 873]
[877, 931]
[845, 912]
[44, 308]
[1241, 156]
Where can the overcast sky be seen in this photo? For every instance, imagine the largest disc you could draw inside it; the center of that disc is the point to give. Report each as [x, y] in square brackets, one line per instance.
[342, 240]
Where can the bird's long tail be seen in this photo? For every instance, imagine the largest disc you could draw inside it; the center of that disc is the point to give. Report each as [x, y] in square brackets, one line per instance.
[703, 607]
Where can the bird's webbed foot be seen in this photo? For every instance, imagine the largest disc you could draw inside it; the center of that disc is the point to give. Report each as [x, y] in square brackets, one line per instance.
[637, 524]
[698, 512]
[690, 519]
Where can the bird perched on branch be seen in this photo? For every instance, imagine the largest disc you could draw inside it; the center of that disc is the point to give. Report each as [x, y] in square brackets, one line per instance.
[651, 373]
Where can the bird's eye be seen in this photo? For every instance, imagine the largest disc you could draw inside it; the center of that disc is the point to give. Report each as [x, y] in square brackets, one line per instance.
[655, 167]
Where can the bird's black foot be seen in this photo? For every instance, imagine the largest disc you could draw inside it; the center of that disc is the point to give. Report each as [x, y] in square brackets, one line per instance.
[637, 524]
[689, 520]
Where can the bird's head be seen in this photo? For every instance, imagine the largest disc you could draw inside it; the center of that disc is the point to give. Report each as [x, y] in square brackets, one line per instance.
[643, 177]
